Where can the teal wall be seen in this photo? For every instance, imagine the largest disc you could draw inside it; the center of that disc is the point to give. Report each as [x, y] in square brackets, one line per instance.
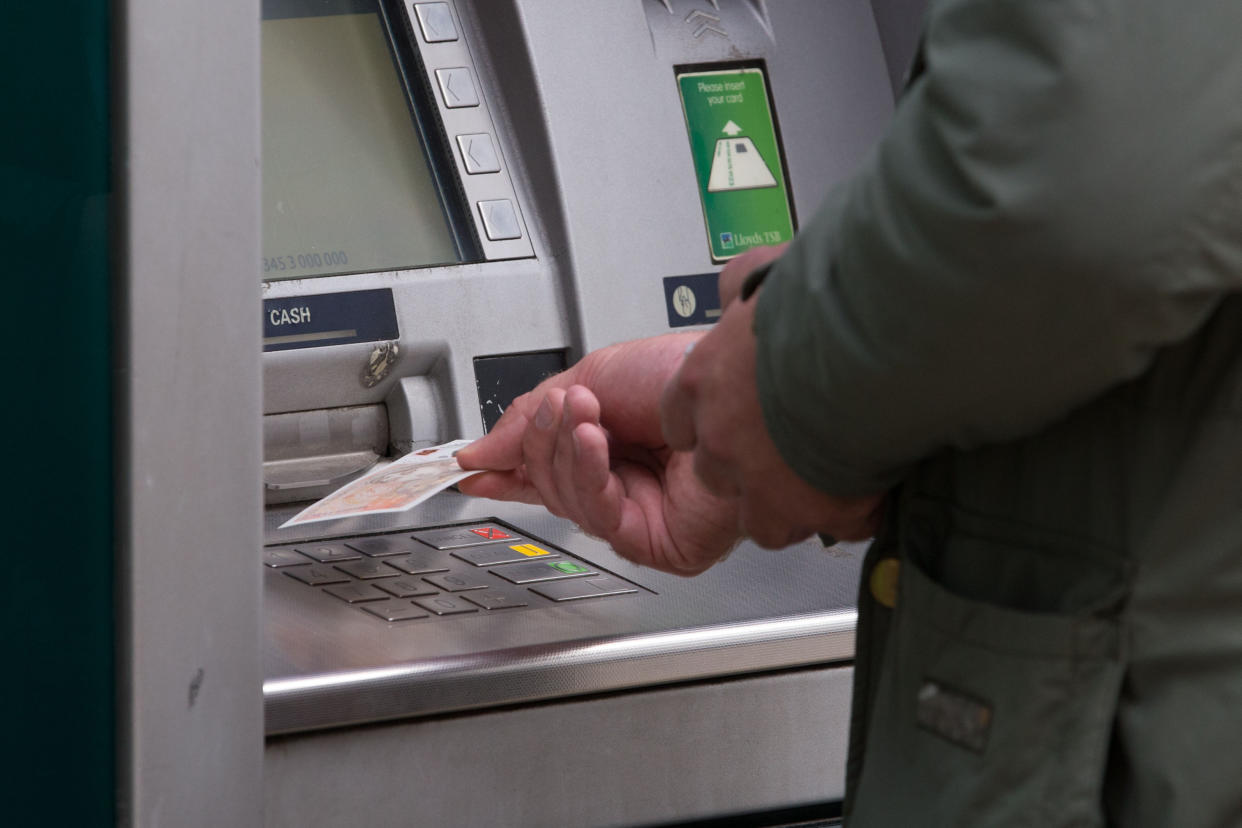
[58, 686]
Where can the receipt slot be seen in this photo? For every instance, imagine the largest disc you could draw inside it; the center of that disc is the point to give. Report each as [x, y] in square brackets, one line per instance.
[456, 199]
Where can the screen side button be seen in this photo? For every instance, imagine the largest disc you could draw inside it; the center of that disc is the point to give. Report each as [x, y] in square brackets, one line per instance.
[457, 87]
[500, 220]
[436, 22]
[479, 153]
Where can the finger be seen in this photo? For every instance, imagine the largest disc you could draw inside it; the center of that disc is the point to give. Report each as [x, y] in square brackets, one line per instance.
[619, 506]
[502, 447]
[580, 407]
[501, 485]
[600, 492]
[627, 504]
[539, 449]
[677, 413]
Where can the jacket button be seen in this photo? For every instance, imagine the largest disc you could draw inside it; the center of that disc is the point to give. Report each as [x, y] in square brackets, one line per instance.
[883, 582]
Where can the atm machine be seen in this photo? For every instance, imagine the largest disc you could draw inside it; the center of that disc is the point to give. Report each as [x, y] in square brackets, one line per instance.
[461, 198]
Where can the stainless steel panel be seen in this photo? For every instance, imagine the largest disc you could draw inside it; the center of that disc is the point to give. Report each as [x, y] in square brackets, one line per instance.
[189, 447]
[666, 756]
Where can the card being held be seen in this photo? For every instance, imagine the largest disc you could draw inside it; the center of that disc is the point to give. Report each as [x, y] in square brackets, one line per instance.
[400, 485]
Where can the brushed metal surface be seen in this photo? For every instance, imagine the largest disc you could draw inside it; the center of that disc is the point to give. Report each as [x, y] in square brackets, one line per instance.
[188, 391]
[666, 756]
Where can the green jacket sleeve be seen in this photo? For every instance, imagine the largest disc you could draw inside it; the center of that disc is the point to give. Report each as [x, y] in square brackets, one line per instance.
[1058, 196]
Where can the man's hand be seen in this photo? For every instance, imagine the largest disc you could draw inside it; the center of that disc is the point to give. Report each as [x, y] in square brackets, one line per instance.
[587, 445]
[711, 408]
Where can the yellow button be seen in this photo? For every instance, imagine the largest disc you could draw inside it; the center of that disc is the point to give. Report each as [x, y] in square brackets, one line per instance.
[883, 582]
[530, 550]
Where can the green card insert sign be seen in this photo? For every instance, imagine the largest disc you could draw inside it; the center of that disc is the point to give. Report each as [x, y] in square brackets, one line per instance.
[737, 159]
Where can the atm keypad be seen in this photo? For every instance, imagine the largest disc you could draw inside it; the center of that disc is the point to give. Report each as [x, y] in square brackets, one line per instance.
[329, 553]
[368, 570]
[384, 545]
[583, 588]
[317, 575]
[445, 605]
[534, 571]
[490, 599]
[419, 563]
[456, 583]
[356, 593]
[442, 572]
[457, 537]
[276, 558]
[407, 588]
[394, 610]
[503, 553]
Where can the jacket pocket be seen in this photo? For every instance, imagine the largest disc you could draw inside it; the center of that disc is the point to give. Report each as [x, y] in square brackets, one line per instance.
[986, 714]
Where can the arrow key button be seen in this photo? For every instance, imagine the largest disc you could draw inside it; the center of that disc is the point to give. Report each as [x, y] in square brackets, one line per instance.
[457, 87]
[436, 21]
[500, 220]
[479, 153]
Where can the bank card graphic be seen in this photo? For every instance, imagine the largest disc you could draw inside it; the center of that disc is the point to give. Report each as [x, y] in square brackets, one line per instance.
[737, 165]
[402, 484]
[737, 159]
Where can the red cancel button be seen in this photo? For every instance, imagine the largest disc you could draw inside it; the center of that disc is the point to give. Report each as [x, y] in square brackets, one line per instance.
[491, 533]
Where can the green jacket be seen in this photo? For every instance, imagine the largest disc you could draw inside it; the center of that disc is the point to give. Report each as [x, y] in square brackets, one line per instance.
[1024, 316]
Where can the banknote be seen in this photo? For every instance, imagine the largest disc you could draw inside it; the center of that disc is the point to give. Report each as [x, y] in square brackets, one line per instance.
[394, 487]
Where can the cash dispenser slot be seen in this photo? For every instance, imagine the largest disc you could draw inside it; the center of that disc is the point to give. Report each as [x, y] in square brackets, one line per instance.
[309, 454]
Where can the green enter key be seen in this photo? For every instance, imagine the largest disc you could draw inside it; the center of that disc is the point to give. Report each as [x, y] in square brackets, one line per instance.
[737, 160]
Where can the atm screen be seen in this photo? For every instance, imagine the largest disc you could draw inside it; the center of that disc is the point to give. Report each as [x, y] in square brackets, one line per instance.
[350, 182]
